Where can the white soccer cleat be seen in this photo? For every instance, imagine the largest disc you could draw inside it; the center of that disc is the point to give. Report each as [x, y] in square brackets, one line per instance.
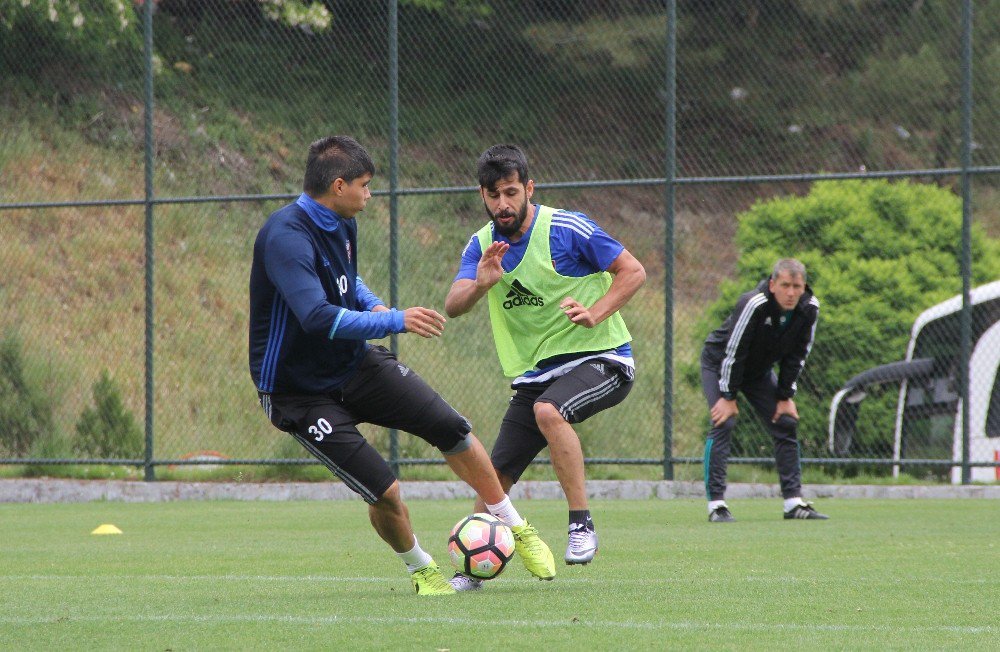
[582, 546]
[465, 583]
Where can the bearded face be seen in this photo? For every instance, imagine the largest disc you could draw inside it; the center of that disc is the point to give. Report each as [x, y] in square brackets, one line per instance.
[507, 205]
[506, 221]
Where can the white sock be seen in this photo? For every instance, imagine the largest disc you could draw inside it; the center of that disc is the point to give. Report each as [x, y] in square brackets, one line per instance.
[505, 511]
[415, 558]
[716, 504]
[792, 503]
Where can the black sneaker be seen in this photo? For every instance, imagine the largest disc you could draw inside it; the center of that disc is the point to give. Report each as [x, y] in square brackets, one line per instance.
[805, 512]
[721, 515]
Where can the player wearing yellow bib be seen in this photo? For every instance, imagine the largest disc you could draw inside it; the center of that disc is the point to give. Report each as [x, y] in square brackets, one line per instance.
[554, 282]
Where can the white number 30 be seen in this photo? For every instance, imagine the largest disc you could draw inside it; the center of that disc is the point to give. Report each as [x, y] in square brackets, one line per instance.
[321, 429]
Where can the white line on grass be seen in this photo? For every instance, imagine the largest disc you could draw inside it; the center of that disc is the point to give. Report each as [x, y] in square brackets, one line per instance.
[205, 578]
[573, 580]
[475, 622]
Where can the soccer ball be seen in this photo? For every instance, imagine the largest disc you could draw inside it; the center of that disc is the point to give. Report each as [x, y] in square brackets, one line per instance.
[480, 546]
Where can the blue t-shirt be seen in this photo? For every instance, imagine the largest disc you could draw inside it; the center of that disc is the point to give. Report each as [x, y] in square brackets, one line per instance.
[579, 247]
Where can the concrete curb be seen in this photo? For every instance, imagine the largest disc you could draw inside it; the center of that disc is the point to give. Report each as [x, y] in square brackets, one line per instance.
[78, 491]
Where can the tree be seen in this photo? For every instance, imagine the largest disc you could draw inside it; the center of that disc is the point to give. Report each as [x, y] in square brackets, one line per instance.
[25, 410]
[108, 429]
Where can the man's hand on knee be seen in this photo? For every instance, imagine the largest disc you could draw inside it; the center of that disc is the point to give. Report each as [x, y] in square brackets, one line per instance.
[723, 410]
[785, 407]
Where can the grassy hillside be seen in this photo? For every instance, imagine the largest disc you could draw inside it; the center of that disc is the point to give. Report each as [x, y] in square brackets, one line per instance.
[75, 295]
[237, 102]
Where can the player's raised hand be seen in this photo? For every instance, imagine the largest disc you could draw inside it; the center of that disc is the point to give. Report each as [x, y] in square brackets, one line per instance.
[577, 312]
[423, 321]
[489, 270]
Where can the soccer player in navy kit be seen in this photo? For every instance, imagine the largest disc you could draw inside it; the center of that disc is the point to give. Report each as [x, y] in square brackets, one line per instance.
[317, 377]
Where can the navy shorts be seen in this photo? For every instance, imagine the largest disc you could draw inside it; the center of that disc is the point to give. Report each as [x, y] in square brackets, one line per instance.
[383, 392]
[584, 391]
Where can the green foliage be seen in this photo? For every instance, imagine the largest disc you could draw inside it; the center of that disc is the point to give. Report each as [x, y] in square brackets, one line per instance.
[65, 31]
[918, 74]
[877, 254]
[108, 429]
[872, 82]
[25, 409]
[51, 446]
[470, 8]
[294, 13]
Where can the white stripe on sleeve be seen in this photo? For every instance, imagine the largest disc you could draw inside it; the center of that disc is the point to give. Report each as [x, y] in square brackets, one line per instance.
[734, 338]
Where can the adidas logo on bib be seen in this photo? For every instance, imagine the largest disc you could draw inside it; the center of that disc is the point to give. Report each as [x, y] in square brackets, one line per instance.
[521, 296]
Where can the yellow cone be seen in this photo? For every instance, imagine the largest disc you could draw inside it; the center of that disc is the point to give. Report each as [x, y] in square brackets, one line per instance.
[107, 528]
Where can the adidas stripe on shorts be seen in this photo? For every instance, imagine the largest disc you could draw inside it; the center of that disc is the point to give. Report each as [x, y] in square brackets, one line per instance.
[383, 392]
[588, 388]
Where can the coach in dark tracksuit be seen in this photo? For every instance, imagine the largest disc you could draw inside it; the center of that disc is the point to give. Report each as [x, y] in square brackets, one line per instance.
[773, 324]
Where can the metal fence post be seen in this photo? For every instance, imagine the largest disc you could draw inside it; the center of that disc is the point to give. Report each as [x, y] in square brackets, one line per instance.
[149, 473]
[394, 196]
[966, 259]
[668, 243]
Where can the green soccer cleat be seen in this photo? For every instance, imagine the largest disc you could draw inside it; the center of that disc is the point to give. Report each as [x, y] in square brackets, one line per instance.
[534, 553]
[429, 581]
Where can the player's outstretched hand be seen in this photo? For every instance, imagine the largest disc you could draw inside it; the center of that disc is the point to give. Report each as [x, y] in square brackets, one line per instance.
[423, 321]
[489, 270]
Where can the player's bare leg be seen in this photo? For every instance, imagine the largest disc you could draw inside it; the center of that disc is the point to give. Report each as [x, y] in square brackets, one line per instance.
[506, 482]
[565, 452]
[391, 520]
[567, 461]
[473, 466]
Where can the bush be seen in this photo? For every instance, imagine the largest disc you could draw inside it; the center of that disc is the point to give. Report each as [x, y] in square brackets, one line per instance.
[25, 410]
[877, 254]
[51, 446]
[108, 430]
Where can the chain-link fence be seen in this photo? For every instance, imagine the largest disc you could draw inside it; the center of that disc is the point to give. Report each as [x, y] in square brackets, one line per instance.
[141, 147]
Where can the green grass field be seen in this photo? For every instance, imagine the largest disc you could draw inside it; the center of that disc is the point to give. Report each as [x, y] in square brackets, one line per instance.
[916, 574]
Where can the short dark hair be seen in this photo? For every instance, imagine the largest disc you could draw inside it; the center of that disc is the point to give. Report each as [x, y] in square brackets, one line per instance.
[499, 162]
[332, 158]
